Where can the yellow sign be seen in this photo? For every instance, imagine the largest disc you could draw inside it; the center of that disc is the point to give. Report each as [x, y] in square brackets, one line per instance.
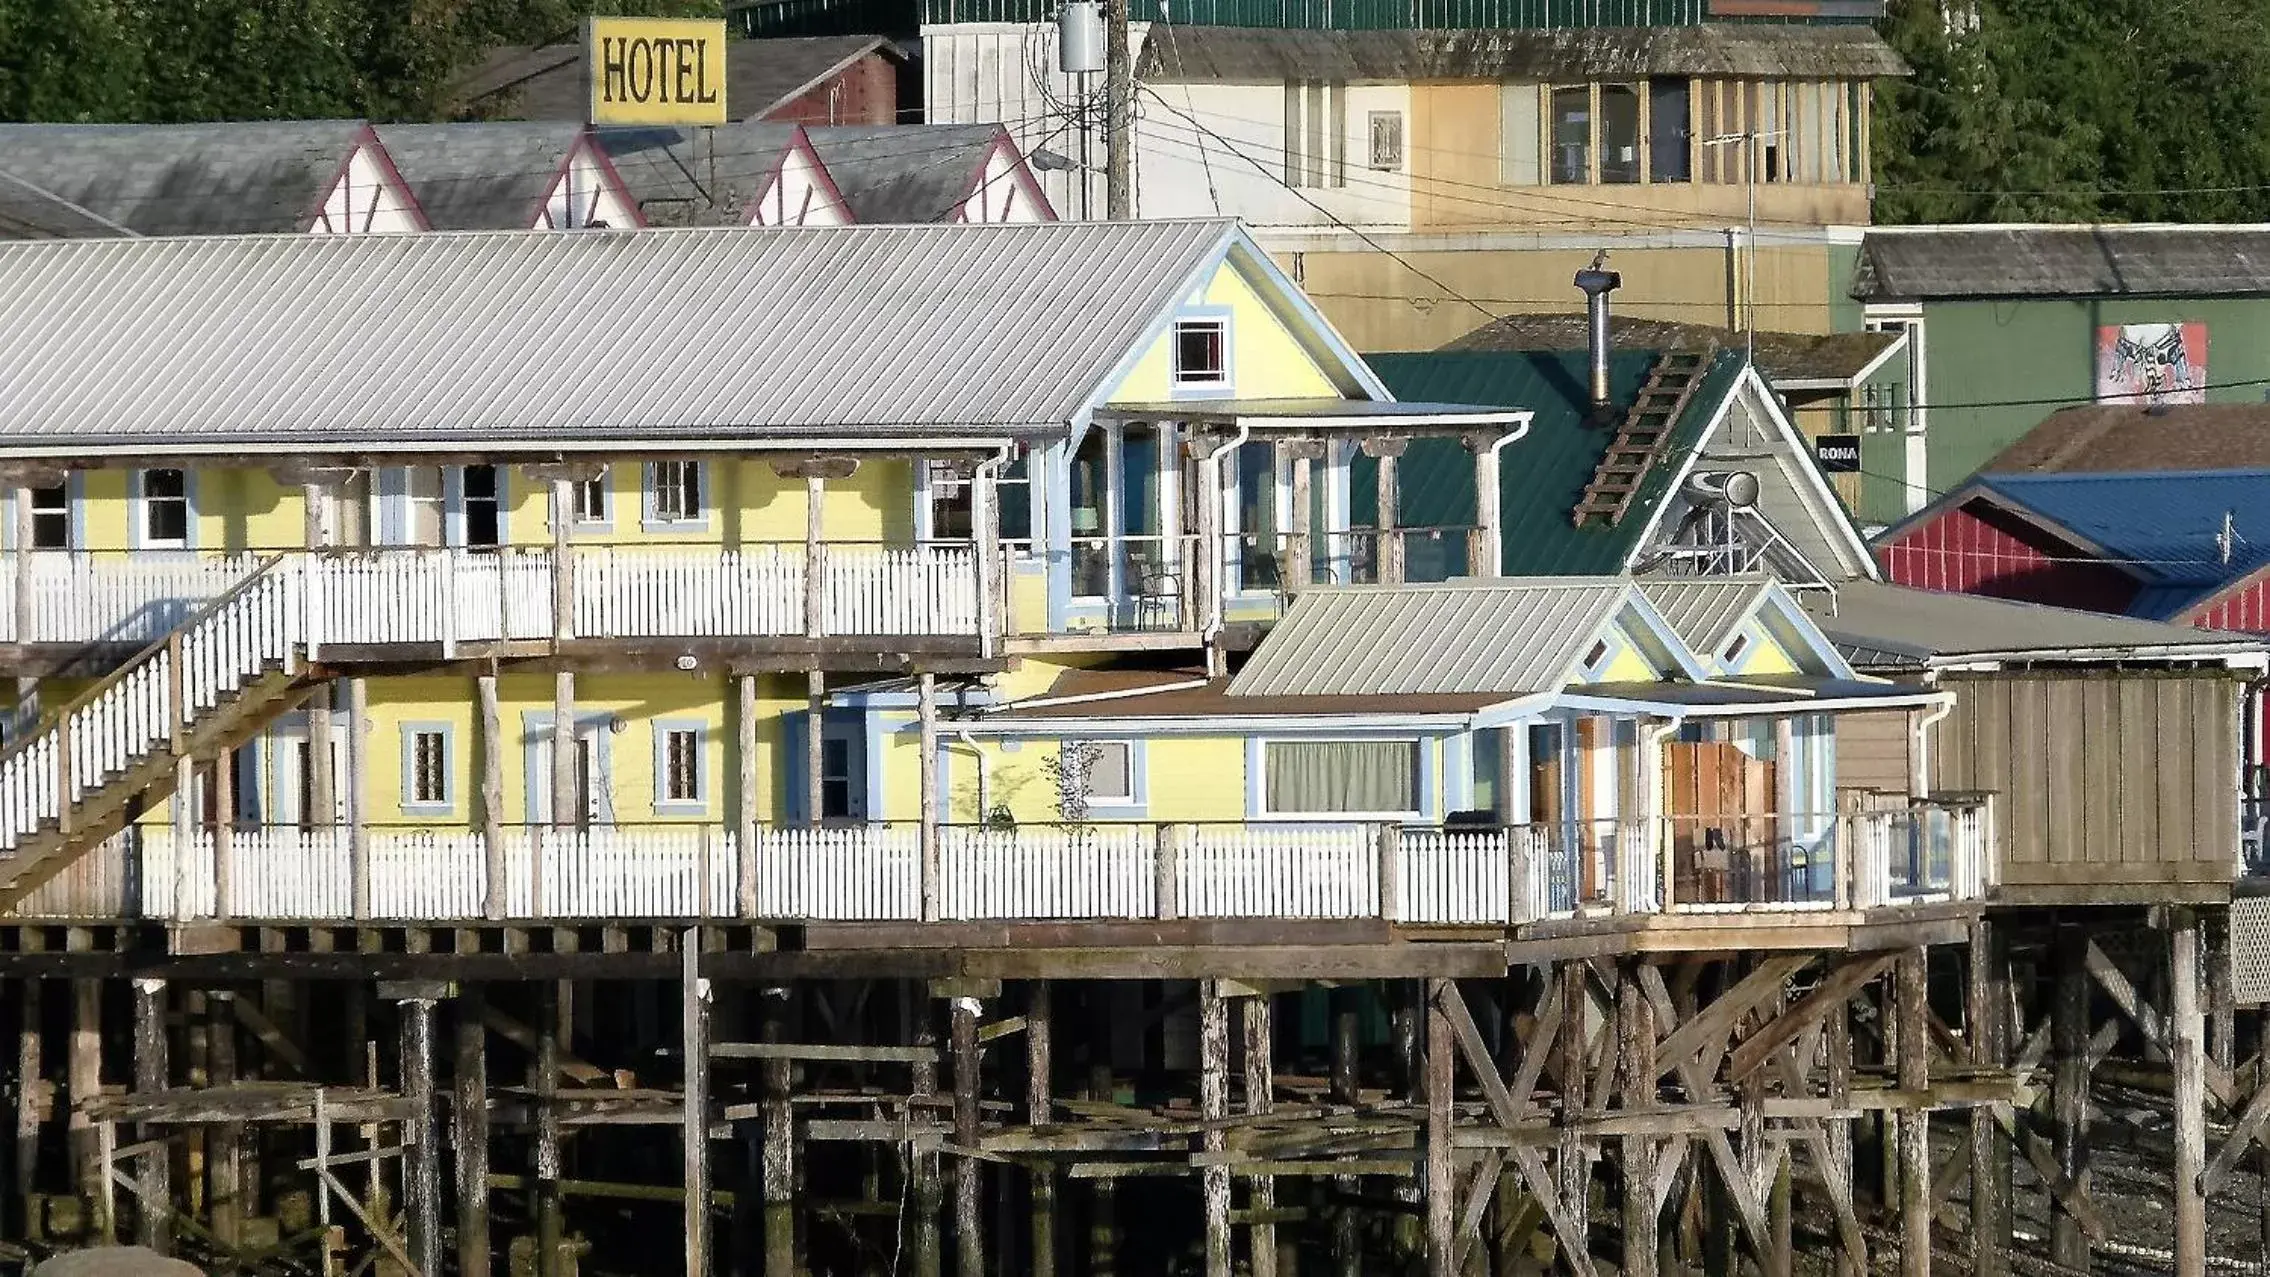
[656, 70]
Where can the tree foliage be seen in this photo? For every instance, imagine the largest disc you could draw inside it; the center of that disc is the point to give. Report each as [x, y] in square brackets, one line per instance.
[2116, 110]
[171, 61]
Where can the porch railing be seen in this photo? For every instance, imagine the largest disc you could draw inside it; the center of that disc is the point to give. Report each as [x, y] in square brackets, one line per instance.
[446, 596]
[1485, 876]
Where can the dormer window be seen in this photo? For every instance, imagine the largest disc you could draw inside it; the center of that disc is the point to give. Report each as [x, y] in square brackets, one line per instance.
[1201, 352]
[1597, 657]
[1735, 649]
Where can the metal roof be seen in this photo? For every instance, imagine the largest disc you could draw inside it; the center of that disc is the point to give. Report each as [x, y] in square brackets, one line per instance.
[1509, 635]
[2063, 261]
[172, 179]
[1884, 627]
[692, 176]
[1767, 50]
[713, 337]
[2165, 527]
[1704, 611]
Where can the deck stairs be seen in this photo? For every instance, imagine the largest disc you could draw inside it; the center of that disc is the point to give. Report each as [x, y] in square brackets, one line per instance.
[1639, 439]
[92, 763]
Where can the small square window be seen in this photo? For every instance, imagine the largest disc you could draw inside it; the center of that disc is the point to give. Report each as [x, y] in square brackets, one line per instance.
[165, 507]
[681, 766]
[1111, 772]
[677, 491]
[591, 499]
[51, 518]
[1201, 354]
[1387, 140]
[1598, 654]
[429, 769]
[1740, 645]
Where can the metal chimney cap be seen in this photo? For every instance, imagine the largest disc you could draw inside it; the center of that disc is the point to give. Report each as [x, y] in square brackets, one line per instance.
[1594, 281]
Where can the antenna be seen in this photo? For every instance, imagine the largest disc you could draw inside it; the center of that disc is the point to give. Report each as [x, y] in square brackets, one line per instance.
[2227, 539]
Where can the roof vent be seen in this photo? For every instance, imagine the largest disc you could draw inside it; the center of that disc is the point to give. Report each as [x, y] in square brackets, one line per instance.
[1596, 282]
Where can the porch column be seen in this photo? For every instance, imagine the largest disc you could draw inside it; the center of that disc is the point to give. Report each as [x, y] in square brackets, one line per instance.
[1300, 547]
[815, 566]
[985, 536]
[1206, 577]
[491, 727]
[745, 793]
[21, 528]
[1388, 554]
[1484, 542]
[358, 794]
[815, 745]
[926, 710]
[563, 569]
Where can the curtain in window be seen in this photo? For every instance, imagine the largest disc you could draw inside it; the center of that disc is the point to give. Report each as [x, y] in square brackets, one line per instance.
[1351, 776]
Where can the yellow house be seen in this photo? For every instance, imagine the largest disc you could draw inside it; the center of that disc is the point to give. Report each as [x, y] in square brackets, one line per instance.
[412, 568]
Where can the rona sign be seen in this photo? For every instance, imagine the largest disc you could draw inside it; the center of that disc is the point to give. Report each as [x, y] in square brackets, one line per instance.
[656, 70]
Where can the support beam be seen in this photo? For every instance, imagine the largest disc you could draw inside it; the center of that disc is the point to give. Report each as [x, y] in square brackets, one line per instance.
[1388, 554]
[152, 1072]
[969, 1236]
[1636, 1044]
[926, 713]
[1213, 1107]
[544, 1084]
[470, 1142]
[1483, 542]
[1261, 1190]
[223, 780]
[694, 1039]
[778, 1131]
[2187, 1054]
[1912, 1004]
[492, 749]
[1040, 1112]
[928, 1256]
[1986, 1025]
[815, 746]
[565, 785]
[745, 793]
[1441, 1184]
[421, 1152]
[563, 563]
[225, 1144]
[815, 555]
[1347, 1232]
[2069, 1095]
[1300, 546]
[358, 794]
[84, 1078]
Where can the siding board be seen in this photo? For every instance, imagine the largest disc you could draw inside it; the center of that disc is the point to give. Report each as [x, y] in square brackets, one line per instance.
[2065, 770]
[1872, 751]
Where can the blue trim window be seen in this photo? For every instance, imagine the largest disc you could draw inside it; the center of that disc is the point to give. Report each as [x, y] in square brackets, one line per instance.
[681, 771]
[675, 496]
[429, 785]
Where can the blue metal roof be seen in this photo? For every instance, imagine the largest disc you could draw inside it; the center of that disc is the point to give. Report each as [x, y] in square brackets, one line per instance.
[2166, 526]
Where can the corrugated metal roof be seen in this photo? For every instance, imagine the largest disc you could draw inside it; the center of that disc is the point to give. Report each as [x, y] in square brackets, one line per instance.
[172, 179]
[2063, 261]
[1768, 50]
[2166, 527]
[1515, 635]
[1704, 611]
[1542, 477]
[1887, 627]
[709, 336]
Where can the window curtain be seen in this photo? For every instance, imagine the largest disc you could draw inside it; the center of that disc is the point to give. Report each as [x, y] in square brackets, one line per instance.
[1343, 776]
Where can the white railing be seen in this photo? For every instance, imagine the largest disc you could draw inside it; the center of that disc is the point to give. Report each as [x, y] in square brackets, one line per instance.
[76, 597]
[137, 709]
[1487, 876]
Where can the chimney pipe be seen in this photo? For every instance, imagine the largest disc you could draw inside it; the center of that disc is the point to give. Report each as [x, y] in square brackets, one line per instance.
[1596, 282]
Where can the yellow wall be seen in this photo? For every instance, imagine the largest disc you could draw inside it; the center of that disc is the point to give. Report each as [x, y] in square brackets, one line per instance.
[1267, 360]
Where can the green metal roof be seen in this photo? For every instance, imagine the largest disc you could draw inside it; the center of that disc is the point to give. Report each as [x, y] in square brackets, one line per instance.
[1544, 473]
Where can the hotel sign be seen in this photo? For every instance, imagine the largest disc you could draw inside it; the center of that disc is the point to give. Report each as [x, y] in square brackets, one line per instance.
[656, 70]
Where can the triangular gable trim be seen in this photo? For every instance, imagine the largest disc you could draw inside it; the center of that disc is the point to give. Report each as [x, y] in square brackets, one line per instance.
[799, 143]
[1812, 487]
[1777, 599]
[1018, 173]
[1634, 605]
[366, 138]
[586, 144]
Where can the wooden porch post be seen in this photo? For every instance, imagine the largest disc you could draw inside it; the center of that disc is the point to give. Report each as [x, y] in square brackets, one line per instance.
[1300, 545]
[815, 744]
[21, 511]
[1483, 541]
[745, 793]
[926, 709]
[2187, 1051]
[358, 793]
[224, 830]
[1388, 554]
[565, 817]
[493, 901]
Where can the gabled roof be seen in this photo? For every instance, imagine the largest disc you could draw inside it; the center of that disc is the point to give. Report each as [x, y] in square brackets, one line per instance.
[1543, 476]
[546, 82]
[2165, 527]
[503, 340]
[1791, 361]
[906, 172]
[1882, 627]
[173, 179]
[2109, 437]
[1705, 611]
[697, 177]
[1500, 635]
[1924, 263]
[492, 175]
[1276, 54]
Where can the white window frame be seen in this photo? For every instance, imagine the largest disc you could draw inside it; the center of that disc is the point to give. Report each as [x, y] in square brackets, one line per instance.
[1420, 772]
[1137, 796]
[68, 513]
[1374, 121]
[140, 524]
[664, 804]
[1221, 385]
[601, 485]
[412, 804]
[656, 517]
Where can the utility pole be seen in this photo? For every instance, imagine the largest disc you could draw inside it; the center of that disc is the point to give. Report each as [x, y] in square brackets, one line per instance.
[1119, 115]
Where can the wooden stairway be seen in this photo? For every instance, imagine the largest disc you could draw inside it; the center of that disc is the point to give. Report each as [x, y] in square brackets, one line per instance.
[91, 765]
[1670, 384]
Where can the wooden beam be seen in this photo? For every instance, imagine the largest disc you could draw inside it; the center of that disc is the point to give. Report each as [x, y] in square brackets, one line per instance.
[1260, 1102]
[693, 1002]
[1697, 1084]
[152, 1072]
[1576, 1247]
[1718, 1019]
[2187, 1054]
[1038, 1023]
[520, 1035]
[280, 1048]
[1912, 1004]
[1832, 993]
[2149, 1021]
[819, 1051]
[470, 1142]
[1636, 1047]
[422, 1160]
[969, 1240]
[2244, 1132]
[1213, 1106]
[1441, 1185]
[2072, 1227]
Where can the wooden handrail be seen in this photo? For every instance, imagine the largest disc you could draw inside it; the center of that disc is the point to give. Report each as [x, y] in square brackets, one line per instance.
[49, 719]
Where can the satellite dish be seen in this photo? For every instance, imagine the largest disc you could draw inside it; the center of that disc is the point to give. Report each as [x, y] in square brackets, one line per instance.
[1737, 488]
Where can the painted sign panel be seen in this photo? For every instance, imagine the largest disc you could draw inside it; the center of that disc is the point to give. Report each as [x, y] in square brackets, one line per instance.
[1838, 454]
[656, 70]
[2152, 363]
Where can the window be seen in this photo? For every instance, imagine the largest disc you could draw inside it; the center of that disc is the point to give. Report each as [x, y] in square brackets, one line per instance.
[1201, 353]
[1316, 130]
[674, 492]
[1598, 654]
[1735, 649]
[1354, 776]
[1519, 139]
[953, 512]
[1387, 140]
[1619, 133]
[590, 496]
[51, 518]
[680, 781]
[1669, 134]
[1016, 497]
[1110, 778]
[484, 506]
[165, 508]
[1572, 134]
[425, 767]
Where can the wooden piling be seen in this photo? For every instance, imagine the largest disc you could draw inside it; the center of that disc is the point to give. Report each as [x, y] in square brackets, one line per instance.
[83, 1078]
[470, 1070]
[1261, 1190]
[1635, 1045]
[1347, 1234]
[969, 1234]
[1039, 1112]
[544, 1081]
[778, 1170]
[923, 1154]
[1911, 1003]
[1987, 1028]
[2188, 1059]
[224, 1151]
[30, 1081]
[421, 1145]
[1435, 1157]
[1213, 1106]
[1103, 1194]
[694, 1040]
[2069, 1091]
[154, 1228]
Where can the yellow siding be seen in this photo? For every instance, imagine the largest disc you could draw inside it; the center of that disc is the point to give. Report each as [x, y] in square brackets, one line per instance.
[1267, 357]
[1765, 655]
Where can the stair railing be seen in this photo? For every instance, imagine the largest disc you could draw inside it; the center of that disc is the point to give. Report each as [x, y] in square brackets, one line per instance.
[148, 701]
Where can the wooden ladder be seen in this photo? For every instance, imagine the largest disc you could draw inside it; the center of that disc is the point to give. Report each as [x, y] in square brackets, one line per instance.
[1670, 384]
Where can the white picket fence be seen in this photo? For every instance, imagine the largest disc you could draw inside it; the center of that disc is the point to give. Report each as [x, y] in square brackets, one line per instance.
[1432, 877]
